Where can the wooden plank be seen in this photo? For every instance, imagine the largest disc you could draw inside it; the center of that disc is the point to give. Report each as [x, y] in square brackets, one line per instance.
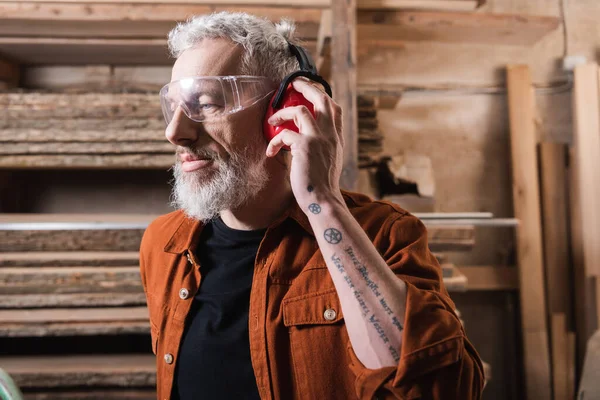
[69, 259]
[343, 72]
[130, 20]
[453, 27]
[586, 146]
[323, 51]
[589, 387]
[65, 240]
[136, 394]
[572, 354]
[63, 280]
[526, 198]
[263, 3]
[487, 277]
[451, 238]
[103, 148]
[83, 51]
[77, 218]
[454, 279]
[91, 105]
[45, 300]
[74, 322]
[555, 222]
[122, 370]
[441, 5]
[560, 356]
[81, 129]
[581, 173]
[129, 161]
[27, 136]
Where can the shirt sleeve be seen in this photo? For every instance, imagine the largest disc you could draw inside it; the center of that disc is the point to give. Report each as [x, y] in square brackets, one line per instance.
[436, 359]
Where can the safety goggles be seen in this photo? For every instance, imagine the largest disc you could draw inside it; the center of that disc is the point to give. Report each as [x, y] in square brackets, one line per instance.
[208, 98]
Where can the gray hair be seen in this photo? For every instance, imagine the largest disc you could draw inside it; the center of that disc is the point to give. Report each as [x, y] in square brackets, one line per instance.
[266, 51]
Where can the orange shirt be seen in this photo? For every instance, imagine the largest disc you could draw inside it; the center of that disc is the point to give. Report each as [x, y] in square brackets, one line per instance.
[298, 341]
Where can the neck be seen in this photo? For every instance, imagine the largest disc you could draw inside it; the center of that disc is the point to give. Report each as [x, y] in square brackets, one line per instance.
[263, 209]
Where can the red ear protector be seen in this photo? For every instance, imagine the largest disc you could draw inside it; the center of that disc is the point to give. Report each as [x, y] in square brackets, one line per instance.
[287, 96]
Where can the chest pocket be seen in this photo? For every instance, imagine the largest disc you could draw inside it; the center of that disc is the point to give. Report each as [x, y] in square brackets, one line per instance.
[318, 341]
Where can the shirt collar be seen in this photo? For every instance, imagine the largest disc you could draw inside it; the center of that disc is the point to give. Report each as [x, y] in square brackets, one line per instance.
[187, 232]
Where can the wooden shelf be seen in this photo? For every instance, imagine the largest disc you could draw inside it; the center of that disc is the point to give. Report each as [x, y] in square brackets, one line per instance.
[396, 27]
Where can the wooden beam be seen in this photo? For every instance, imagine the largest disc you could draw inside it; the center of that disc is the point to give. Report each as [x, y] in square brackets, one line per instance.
[440, 5]
[74, 321]
[84, 51]
[116, 370]
[261, 3]
[487, 277]
[9, 75]
[69, 259]
[74, 300]
[526, 198]
[130, 20]
[560, 356]
[556, 255]
[93, 394]
[343, 70]
[453, 27]
[323, 51]
[582, 186]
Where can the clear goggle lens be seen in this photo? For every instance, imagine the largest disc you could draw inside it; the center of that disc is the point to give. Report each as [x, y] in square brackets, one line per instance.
[209, 98]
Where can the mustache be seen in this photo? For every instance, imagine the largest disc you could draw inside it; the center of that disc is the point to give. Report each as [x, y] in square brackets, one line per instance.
[197, 152]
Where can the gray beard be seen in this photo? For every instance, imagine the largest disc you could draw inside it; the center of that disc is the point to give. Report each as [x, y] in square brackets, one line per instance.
[203, 197]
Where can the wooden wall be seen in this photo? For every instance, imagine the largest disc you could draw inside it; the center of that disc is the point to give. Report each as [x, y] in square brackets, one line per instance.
[465, 132]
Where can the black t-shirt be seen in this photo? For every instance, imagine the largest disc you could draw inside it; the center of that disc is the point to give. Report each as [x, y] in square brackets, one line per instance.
[214, 356]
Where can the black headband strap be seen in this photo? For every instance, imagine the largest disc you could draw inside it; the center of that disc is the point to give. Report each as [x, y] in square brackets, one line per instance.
[307, 70]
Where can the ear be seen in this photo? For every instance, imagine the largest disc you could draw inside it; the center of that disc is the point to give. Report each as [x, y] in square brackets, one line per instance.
[291, 98]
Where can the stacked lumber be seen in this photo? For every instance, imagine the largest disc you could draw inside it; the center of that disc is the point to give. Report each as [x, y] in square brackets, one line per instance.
[90, 130]
[370, 138]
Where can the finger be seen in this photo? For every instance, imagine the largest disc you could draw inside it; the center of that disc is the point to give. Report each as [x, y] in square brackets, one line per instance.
[300, 115]
[317, 97]
[285, 138]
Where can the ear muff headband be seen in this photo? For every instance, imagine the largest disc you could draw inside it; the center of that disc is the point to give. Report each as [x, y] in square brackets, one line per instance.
[307, 70]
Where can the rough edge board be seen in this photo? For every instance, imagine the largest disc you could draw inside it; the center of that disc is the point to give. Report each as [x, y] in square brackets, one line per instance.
[526, 200]
[491, 277]
[129, 20]
[80, 315]
[136, 394]
[123, 370]
[45, 329]
[368, 4]
[263, 3]
[69, 259]
[74, 51]
[135, 161]
[440, 5]
[75, 300]
[453, 27]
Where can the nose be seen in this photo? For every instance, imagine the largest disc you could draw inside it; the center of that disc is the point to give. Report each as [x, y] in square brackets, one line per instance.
[182, 131]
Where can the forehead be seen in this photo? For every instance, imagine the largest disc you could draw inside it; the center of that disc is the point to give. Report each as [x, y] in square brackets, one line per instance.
[210, 57]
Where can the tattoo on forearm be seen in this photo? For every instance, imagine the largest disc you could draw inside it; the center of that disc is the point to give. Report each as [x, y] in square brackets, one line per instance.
[314, 208]
[357, 293]
[333, 236]
[394, 353]
[362, 269]
[373, 320]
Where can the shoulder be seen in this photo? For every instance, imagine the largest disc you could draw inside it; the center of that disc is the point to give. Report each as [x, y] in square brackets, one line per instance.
[383, 219]
[160, 230]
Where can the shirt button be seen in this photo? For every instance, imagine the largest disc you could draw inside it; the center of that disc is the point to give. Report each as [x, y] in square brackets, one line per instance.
[329, 314]
[184, 293]
[189, 258]
[169, 358]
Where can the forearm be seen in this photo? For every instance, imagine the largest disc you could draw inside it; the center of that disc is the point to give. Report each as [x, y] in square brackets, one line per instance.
[373, 299]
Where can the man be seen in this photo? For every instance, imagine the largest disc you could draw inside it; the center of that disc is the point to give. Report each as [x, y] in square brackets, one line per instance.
[269, 282]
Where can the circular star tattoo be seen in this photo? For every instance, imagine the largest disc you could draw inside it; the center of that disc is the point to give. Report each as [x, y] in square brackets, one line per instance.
[333, 236]
[314, 208]
[310, 188]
